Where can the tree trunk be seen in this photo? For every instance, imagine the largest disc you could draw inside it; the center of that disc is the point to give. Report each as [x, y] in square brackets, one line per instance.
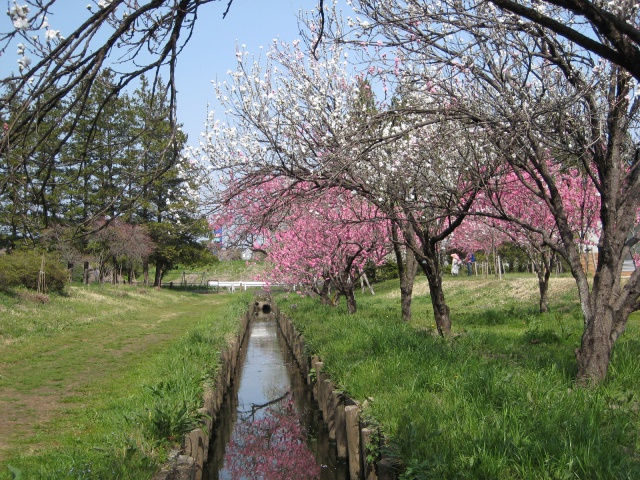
[324, 292]
[407, 279]
[157, 282]
[145, 272]
[406, 294]
[606, 307]
[346, 286]
[543, 271]
[543, 286]
[85, 273]
[431, 267]
[594, 354]
[321, 291]
[114, 273]
[351, 300]
[101, 270]
[407, 269]
[605, 320]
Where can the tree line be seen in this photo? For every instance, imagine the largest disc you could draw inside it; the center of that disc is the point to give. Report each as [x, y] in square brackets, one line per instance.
[115, 195]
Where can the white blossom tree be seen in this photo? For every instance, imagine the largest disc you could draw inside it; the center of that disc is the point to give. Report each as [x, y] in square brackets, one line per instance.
[532, 94]
[310, 118]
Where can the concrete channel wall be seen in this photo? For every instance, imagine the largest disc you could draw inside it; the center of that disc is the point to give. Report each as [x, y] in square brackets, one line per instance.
[355, 440]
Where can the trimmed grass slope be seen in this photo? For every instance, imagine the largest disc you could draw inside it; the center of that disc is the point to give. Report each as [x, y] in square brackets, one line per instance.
[497, 400]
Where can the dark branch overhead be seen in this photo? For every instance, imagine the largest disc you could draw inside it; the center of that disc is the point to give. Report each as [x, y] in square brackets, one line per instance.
[615, 38]
[58, 76]
[320, 30]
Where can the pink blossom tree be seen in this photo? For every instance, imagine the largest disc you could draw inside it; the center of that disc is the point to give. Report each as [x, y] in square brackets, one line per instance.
[479, 234]
[505, 205]
[581, 205]
[247, 213]
[315, 121]
[531, 95]
[328, 243]
[316, 239]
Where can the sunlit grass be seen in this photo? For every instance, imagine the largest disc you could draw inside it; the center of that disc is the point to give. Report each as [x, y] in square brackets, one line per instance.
[232, 270]
[498, 399]
[101, 382]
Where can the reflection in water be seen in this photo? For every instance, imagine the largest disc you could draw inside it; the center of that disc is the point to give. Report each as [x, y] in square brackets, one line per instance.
[269, 442]
[270, 429]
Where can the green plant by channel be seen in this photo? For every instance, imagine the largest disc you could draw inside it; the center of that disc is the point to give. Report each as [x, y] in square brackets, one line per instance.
[373, 446]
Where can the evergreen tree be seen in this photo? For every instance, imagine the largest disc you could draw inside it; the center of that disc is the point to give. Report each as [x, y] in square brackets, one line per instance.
[167, 188]
[29, 191]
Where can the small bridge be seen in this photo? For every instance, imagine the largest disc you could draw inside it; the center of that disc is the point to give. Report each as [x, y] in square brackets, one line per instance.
[233, 285]
[240, 285]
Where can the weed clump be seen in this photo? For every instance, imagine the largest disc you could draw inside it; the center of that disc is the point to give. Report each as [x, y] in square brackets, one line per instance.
[169, 417]
[33, 297]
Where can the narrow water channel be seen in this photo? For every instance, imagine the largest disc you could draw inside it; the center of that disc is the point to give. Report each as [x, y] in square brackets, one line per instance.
[269, 427]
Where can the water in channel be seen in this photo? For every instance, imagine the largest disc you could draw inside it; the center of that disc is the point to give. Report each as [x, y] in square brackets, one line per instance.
[269, 427]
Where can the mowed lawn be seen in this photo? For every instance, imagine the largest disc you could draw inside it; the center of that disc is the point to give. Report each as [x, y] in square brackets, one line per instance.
[77, 370]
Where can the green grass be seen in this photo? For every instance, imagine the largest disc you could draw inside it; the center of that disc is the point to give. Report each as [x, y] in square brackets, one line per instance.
[101, 382]
[498, 399]
[224, 270]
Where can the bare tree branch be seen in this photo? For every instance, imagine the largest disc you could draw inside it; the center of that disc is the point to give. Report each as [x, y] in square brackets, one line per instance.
[320, 31]
[619, 40]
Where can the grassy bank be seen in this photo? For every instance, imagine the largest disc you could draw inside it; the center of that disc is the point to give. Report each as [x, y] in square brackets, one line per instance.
[100, 382]
[224, 271]
[497, 400]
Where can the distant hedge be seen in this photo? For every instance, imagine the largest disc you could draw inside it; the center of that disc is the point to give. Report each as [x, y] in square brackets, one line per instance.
[22, 268]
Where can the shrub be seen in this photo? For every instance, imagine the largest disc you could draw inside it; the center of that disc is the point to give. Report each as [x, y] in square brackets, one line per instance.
[22, 268]
[381, 273]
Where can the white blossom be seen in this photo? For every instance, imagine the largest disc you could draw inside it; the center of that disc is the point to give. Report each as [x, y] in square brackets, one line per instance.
[20, 23]
[18, 14]
[24, 62]
[52, 34]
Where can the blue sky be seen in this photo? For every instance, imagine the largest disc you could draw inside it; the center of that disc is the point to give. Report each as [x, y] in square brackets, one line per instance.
[211, 51]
